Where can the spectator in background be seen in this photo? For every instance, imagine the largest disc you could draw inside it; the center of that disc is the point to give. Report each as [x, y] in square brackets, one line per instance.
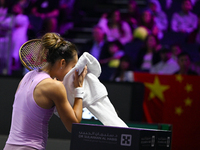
[148, 55]
[18, 24]
[65, 20]
[115, 28]
[167, 65]
[4, 37]
[194, 37]
[35, 23]
[47, 11]
[19, 34]
[184, 21]
[97, 46]
[68, 5]
[4, 6]
[115, 50]
[147, 21]
[176, 50]
[196, 65]
[184, 62]
[124, 71]
[132, 16]
[25, 4]
[160, 18]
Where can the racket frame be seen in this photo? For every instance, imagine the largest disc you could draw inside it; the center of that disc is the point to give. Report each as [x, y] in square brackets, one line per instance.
[20, 53]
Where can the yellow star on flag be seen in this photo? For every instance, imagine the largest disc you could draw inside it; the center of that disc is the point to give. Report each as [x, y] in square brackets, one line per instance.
[157, 89]
[151, 95]
[188, 102]
[179, 78]
[178, 110]
[188, 87]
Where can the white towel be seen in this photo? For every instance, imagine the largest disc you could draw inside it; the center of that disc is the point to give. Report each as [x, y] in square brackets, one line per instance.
[96, 96]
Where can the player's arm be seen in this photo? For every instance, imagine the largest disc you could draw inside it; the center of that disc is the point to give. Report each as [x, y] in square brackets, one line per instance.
[58, 94]
[67, 114]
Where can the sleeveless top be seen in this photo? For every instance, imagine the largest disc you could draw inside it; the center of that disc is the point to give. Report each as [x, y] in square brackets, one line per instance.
[29, 124]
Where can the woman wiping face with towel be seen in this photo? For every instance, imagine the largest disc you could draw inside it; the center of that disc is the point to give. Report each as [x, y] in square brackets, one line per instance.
[39, 93]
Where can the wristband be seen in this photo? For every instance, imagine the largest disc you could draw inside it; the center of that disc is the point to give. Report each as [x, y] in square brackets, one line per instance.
[79, 92]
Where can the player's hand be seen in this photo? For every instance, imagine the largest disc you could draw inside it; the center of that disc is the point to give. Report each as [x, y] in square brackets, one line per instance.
[78, 80]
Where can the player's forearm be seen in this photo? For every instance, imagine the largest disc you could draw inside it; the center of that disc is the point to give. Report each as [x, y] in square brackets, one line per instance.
[78, 106]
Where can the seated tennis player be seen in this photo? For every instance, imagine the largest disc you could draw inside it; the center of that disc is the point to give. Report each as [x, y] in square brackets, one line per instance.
[39, 93]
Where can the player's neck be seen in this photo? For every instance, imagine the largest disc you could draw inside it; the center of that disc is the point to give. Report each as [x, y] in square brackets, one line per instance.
[48, 69]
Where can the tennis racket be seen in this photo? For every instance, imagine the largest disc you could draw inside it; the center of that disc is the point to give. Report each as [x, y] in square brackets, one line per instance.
[30, 56]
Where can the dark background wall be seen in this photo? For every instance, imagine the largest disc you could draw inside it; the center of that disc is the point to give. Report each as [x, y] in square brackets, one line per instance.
[127, 99]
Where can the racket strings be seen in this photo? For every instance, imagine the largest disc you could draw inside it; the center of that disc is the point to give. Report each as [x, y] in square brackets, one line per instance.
[30, 56]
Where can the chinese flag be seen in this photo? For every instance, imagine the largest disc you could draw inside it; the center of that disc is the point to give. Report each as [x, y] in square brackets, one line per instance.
[174, 99]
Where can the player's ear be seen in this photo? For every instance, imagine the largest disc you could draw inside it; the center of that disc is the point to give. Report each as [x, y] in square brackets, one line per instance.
[62, 62]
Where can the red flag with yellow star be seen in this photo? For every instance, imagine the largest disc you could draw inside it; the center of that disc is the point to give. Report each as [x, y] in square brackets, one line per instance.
[174, 99]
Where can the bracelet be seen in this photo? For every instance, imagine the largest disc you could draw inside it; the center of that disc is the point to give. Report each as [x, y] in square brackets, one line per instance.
[79, 92]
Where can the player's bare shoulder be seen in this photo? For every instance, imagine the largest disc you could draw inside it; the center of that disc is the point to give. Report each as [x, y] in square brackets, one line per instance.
[51, 85]
[49, 92]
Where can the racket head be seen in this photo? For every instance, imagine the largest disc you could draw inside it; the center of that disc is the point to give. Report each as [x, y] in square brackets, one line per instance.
[30, 56]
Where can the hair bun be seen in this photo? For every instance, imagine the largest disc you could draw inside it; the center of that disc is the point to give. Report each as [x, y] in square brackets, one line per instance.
[50, 40]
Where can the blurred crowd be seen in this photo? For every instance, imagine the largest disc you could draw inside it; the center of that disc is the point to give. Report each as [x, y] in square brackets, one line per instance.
[161, 38]
[151, 39]
[21, 20]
